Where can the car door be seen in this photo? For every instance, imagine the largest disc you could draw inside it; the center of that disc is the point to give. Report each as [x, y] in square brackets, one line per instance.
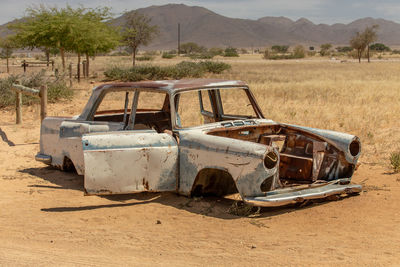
[129, 161]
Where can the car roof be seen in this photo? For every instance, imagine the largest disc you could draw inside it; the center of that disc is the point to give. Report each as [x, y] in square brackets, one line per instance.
[173, 85]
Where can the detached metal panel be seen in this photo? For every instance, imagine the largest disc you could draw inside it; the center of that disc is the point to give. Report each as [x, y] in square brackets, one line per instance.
[126, 162]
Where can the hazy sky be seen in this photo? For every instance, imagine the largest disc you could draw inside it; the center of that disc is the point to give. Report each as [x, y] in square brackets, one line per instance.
[318, 11]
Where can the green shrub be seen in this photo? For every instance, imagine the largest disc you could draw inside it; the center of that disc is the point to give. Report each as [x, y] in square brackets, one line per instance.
[279, 56]
[184, 69]
[395, 161]
[144, 58]
[151, 53]
[189, 69]
[344, 49]
[216, 51]
[231, 52]
[215, 67]
[280, 48]
[379, 47]
[56, 90]
[168, 55]
[205, 55]
[299, 52]
[7, 97]
[120, 53]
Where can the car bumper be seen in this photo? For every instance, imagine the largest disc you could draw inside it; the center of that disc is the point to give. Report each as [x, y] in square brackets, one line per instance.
[43, 158]
[283, 197]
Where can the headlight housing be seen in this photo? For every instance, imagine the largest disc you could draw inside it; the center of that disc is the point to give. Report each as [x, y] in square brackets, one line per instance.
[270, 160]
[355, 148]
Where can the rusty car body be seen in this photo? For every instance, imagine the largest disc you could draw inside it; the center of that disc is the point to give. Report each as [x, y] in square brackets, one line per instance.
[157, 147]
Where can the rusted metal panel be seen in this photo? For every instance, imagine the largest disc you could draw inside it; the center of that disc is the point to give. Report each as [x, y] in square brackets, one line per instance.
[132, 161]
[243, 160]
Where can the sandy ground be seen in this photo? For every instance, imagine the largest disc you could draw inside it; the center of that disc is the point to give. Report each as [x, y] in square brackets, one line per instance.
[45, 219]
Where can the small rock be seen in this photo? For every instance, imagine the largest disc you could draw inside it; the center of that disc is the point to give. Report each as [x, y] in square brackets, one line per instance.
[158, 222]
[91, 82]
[253, 246]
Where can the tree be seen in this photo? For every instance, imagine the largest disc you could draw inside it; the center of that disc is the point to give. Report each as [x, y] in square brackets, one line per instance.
[266, 53]
[380, 47]
[79, 30]
[137, 31]
[7, 46]
[231, 52]
[191, 47]
[280, 48]
[362, 41]
[47, 28]
[358, 43]
[299, 52]
[216, 51]
[325, 49]
[92, 35]
[344, 49]
[370, 36]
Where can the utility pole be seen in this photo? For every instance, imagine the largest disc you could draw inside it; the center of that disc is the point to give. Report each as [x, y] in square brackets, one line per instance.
[179, 39]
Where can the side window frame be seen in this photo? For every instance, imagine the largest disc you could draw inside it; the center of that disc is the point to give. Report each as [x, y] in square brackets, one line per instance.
[249, 96]
[100, 99]
[202, 109]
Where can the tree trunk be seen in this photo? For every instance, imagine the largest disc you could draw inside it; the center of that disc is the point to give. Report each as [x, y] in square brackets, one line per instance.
[48, 57]
[87, 65]
[8, 68]
[62, 57]
[78, 69]
[368, 54]
[134, 57]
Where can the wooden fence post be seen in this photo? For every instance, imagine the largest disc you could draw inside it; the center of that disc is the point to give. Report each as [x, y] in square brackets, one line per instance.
[24, 65]
[70, 74]
[84, 68]
[43, 102]
[18, 107]
[78, 72]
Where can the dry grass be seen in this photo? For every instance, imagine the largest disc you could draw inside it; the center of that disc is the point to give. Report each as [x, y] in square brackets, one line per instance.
[362, 99]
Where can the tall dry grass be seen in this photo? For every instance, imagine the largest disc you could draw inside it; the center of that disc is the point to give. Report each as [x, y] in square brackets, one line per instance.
[362, 99]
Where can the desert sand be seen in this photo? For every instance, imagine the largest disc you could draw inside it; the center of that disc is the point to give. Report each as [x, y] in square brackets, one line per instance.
[45, 219]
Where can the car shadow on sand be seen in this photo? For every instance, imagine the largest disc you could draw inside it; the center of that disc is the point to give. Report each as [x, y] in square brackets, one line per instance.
[230, 207]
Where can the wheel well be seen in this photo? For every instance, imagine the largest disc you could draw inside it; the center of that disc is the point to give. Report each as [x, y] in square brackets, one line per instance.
[68, 165]
[213, 182]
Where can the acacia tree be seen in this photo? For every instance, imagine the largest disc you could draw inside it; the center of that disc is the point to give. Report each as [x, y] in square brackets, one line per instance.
[137, 31]
[45, 27]
[362, 41]
[325, 49]
[79, 30]
[370, 36]
[7, 46]
[92, 34]
[357, 42]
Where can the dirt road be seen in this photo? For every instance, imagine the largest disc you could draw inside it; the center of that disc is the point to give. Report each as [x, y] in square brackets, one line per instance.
[45, 219]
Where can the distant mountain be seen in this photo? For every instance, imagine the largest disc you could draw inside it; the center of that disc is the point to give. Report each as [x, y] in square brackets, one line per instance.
[210, 29]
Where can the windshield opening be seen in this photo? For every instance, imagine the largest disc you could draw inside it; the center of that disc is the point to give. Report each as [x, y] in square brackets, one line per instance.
[198, 107]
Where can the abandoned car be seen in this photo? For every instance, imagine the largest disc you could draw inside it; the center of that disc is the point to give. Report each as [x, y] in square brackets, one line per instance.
[194, 137]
